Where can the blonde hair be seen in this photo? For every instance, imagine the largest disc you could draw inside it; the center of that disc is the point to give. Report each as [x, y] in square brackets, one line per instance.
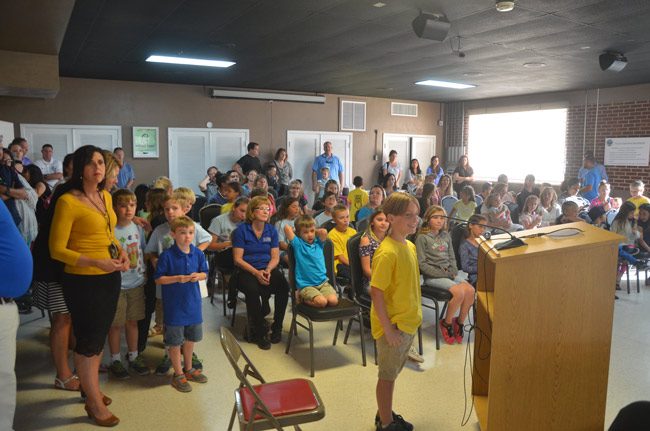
[111, 163]
[304, 222]
[398, 203]
[163, 183]
[424, 229]
[548, 192]
[182, 221]
[254, 204]
[338, 208]
[184, 196]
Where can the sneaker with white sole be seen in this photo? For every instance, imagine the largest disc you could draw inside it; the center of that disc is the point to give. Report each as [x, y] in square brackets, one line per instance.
[415, 356]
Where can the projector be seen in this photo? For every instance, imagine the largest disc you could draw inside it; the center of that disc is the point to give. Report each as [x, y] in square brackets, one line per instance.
[612, 61]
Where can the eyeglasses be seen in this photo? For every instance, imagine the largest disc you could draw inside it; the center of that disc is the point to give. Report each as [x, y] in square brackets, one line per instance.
[265, 209]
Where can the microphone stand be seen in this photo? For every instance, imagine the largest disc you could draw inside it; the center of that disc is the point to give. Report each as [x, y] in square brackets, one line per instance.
[513, 242]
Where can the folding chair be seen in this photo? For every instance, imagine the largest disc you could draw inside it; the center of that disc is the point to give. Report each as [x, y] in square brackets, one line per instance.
[344, 310]
[268, 405]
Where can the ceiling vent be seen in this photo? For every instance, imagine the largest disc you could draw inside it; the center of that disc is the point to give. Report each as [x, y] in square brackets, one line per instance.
[404, 109]
[353, 116]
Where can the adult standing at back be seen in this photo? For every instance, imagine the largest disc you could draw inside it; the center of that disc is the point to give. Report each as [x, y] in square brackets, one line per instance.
[435, 169]
[591, 180]
[51, 168]
[463, 175]
[24, 145]
[331, 161]
[16, 276]
[126, 177]
[284, 170]
[600, 169]
[392, 166]
[249, 161]
[82, 237]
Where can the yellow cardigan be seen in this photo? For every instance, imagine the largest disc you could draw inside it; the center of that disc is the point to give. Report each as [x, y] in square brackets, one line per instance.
[78, 229]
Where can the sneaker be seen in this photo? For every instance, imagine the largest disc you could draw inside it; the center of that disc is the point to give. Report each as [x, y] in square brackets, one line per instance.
[194, 375]
[459, 330]
[415, 356]
[118, 371]
[139, 367]
[397, 419]
[447, 332]
[163, 368]
[181, 384]
[196, 362]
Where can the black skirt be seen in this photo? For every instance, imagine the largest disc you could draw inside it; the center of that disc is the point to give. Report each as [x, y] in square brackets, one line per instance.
[92, 301]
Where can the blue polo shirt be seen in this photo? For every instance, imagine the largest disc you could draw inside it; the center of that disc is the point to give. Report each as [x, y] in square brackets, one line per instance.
[257, 251]
[331, 162]
[125, 175]
[310, 262]
[15, 257]
[592, 178]
[181, 301]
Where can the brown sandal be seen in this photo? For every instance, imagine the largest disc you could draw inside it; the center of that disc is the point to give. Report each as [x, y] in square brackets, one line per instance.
[67, 384]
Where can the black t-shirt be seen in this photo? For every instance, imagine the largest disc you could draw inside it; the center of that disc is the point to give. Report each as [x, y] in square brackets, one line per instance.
[461, 171]
[248, 162]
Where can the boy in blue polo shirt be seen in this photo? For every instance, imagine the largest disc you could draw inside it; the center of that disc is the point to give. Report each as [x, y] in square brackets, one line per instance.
[178, 271]
[312, 285]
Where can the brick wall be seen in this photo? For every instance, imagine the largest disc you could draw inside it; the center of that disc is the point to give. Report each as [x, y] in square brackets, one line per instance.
[615, 120]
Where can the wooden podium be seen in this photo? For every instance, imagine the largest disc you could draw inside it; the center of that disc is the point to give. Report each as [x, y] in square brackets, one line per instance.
[543, 331]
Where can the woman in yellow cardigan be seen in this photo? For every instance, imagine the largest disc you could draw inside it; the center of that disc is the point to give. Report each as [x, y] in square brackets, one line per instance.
[82, 237]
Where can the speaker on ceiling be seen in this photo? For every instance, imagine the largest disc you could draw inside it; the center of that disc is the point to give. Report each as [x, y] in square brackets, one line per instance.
[612, 61]
[431, 26]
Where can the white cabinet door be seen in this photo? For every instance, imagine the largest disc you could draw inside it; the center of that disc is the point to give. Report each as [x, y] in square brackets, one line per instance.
[193, 151]
[66, 138]
[423, 148]
[6, 134]
[106, 138]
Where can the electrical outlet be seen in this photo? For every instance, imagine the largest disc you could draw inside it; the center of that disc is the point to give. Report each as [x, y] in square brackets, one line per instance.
[441, 123]
[375, 157]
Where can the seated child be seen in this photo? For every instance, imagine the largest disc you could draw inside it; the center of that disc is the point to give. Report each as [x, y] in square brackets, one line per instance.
[313, 287]
[466, 206]
[273, 179]
[329, 201]
[358, 197]
[369, 243]
[469, 247]
[231, 191]
[570, 211]
[498, 214]
[437, 263]
[322, 182]
[287, 214]
[530, 216]
[178, 271]
[636, 195]
[340, 235]
[249, 185]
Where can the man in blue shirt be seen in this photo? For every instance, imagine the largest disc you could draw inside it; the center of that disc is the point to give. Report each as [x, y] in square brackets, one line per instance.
[331, 161]
[16, 278]
[126, 177]
[591, 179]
[600, 169]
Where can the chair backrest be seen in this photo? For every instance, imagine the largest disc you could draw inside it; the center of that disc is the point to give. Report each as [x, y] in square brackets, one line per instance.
[448, 202]
[362, 225]
[356, 271]
[457, 236]
[207, 213]
[609, 216]
[196, 208]
[328, 225]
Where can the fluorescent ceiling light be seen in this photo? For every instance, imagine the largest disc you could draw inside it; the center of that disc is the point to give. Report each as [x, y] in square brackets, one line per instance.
[445, 84]
[263, 95]
[189, 61]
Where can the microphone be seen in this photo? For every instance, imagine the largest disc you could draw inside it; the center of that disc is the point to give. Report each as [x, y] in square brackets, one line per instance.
[513, 242]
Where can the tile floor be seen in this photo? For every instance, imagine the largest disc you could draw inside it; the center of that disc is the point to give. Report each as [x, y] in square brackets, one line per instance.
[432, 395]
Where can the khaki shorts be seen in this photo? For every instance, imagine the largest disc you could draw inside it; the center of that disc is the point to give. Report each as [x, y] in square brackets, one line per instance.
[311, 292]
[391, 360]
[130, 306]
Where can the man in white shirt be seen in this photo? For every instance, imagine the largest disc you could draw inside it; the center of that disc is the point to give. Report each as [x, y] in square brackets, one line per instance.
[51, 168]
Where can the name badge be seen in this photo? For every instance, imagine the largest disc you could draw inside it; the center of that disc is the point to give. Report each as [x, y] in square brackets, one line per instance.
[266, 239]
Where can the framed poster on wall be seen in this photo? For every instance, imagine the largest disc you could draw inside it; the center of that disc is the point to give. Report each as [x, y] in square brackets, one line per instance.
[627, 151]
[146, 143]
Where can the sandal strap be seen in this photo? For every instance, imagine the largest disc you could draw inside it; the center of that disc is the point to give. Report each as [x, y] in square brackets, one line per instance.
[63, 383]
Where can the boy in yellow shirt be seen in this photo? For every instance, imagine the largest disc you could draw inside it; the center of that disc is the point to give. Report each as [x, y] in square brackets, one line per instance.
[396, 311]
[357, 198]
[636, 195]
[340, 235]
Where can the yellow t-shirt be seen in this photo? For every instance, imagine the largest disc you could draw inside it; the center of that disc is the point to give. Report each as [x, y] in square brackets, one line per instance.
[395, 271]
[225, 208]
[78, 229]
[340, 241]
[637, 201]
[357, 199]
